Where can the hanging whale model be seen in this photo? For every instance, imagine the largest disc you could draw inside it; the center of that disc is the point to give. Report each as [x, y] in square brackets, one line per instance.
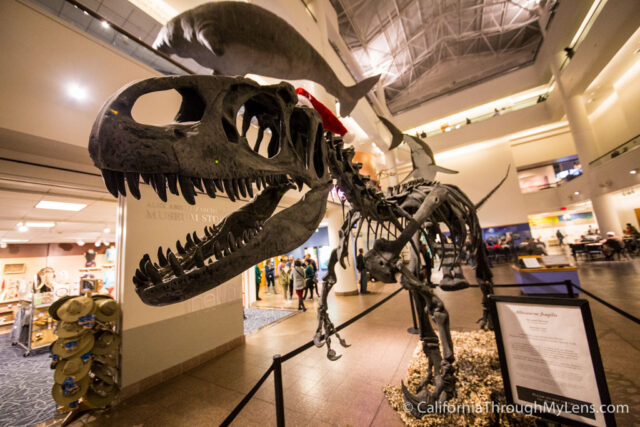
[424, 164]
[235, 38]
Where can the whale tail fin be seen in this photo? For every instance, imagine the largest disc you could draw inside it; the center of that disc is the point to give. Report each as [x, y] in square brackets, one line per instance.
[354, 93]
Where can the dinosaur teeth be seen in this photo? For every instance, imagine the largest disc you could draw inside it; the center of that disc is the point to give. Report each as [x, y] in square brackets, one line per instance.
[198, 258]
[172, 180]
[180, 248]
[196, 239]
[197, 182]
[209, 187]
[218, 184]
[249, 186]
[189, 243]
[299, 183]
[153, 273]
[228, 188]
[146, 178]
[159, 183]
[231, 241]
[110, 181]
[217, 250]
[245, 236]
[175, 265]
[207, 232]
[241, 187]
[259, 183]
[236, 188]
[161, 258]
[141, 276]
[186, 187]
[143, 261]
[133, 182]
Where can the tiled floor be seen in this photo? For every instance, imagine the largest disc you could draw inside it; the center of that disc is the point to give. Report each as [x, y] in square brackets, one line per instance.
[348, 391]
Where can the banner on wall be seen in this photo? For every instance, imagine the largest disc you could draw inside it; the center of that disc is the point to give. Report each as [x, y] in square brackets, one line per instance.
[555, 221]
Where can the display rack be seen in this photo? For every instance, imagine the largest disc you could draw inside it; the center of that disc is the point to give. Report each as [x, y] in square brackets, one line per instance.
[40, 325]
[7, 314]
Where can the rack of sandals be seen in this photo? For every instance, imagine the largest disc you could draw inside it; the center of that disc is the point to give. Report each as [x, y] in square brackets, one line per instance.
[85, 355]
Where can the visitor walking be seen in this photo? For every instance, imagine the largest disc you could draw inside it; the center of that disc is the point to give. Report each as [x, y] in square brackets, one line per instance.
[313, 264]
[362, 270]
[298, 283]
[270, 276]
[258, 274]
[560, 237]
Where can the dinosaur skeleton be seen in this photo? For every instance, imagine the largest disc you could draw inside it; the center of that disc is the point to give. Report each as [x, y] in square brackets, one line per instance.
[203, 149]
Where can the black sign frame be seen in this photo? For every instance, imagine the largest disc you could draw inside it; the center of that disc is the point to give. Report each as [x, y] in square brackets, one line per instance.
[594, 350]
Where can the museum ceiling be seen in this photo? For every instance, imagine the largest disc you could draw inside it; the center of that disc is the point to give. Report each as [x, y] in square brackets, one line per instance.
[428, 48]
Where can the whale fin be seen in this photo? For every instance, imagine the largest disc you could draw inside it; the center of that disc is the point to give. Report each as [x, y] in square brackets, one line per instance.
[396, 135]
[354, 93]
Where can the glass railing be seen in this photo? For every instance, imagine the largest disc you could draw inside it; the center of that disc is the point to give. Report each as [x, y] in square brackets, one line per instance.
[621, 149]
[111, 33]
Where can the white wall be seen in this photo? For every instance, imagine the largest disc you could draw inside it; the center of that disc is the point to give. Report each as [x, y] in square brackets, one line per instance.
[543, 149]
[45, 55]
[190, 328]
[479, 172]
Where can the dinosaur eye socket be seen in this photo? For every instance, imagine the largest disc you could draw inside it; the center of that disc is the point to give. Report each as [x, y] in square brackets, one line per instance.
[258, 117]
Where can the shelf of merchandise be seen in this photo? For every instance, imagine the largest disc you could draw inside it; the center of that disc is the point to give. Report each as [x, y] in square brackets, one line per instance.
[7, 310]
[41, 327]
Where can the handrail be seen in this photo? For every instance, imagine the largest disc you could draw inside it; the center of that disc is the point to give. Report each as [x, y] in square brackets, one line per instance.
[634, 142]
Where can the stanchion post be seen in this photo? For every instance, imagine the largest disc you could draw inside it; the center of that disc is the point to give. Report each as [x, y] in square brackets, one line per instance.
[569, 286]
[277, 382]
[413, 330]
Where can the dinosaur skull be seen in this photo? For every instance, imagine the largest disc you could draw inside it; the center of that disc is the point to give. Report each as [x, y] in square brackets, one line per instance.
[203, 149]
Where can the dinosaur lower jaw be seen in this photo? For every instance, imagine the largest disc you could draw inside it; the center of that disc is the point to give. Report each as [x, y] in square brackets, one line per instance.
[241, 240]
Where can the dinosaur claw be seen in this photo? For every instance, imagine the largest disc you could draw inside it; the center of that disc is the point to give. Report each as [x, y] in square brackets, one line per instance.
[318, 341]
[331, 355]
[344, 343]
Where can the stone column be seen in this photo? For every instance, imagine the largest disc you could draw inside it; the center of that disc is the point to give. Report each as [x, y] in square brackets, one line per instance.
[606, 214]
[587, 149]
[347, 283]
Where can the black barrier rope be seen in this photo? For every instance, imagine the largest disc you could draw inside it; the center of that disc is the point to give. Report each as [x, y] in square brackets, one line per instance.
[240, 406]
[607, 304]
[581, 289]
[359, 316]
[279, 359]
[227, 421]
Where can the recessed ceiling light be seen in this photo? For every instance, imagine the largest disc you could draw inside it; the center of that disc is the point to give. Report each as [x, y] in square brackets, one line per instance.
[107, 230]
[105, 24]
[22, 228]
[98, 243]
[577, 193]
[77, 92]
[80, 243]
[60, 206]
[39, 224]
[633, 171]
[3, 245]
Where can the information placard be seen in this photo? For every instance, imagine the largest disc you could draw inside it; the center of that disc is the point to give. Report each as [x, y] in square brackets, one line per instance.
[550, 359]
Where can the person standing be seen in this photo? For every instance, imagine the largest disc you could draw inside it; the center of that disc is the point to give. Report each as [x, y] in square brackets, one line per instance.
[309, 276]
[560, 237]
[285, 279]
[360, 265]
[299, 283]
[258, 274]
[313, 264]
[291, 264]
[270, 276]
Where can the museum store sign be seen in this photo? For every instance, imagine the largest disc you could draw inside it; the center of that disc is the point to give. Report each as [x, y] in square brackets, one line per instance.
[159, 338]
